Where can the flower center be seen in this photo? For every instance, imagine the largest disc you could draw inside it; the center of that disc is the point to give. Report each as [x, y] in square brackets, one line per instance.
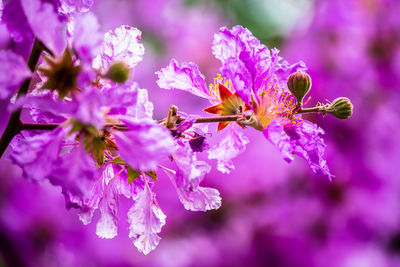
[276, 103]
[61, 75]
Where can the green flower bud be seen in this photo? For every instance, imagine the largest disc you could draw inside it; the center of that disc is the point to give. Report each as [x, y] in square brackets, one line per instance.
[299, 84]
[118, 72]
[340, 108]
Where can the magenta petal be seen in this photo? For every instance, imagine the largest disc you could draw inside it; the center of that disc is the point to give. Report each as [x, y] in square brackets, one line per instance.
[231, 43]
[91, 203]
[107, 225]
[194, 198]
[122, 44]
[186, 179]
[75, 172]
[75, 6]
[144, 144]
[45, 103]
[303, 140]
[13, 71]
[229, 148]
[18, 26]
[241, 79]
[87, 39]
[145, 221]
[186, 77]
[36, 155]
[248, 63]
[53, 35]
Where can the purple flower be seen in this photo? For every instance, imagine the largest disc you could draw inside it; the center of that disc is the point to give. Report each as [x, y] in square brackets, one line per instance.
[187, 77]
[91, 160]
[253, 83]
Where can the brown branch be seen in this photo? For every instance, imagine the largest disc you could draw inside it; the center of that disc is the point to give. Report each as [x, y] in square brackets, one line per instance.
[14, 125]
[121, 127]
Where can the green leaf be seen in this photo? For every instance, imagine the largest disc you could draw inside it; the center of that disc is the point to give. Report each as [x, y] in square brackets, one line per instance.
[98, 150]
[76, 127]
[152, 175]
[132, 174]
[118, 161]
[95, 146]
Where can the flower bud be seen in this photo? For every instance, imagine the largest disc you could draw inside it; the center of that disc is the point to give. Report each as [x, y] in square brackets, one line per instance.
[299, 84]
[340, 108]
[118, 72]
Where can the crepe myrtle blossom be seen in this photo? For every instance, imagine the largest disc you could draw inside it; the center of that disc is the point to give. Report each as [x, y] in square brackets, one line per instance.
[93, 133]
[103, 141]
[264, 90]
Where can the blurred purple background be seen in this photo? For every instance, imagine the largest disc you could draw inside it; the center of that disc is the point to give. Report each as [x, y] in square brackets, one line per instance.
[273, 213]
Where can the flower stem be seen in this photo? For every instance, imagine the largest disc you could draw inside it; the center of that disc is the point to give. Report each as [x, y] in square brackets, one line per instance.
[318, 109]
[14, 125]
[121, 127]
[221, 118]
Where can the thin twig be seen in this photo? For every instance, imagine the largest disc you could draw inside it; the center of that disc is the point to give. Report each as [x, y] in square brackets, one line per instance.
[14, 125]
[121, 127]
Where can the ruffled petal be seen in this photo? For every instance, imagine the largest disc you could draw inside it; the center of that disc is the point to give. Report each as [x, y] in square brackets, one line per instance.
[13, 71]
[195, 199]
[18, 26]
[280, 69]
[303, 140]
[144, 144]
[186, 77]
[53, 35]
[75, 172]
[87, 39]
[107, 225]
[45, 103]
[249, 64]
[145, 221]
[129, 100]
[90, 107]
[36, 155]
[122, 44]
[144, 108]
[230, 147]
[105, 195]
[242, 80]
[186, 179]
[75, 6]
[92, 203]
[231, 43]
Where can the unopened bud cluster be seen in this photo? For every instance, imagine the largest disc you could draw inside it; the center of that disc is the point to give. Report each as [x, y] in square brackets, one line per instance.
[340, 108]
[299, 84]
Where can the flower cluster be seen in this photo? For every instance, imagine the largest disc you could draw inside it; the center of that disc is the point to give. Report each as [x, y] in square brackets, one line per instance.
[254, 84]
[93, 134]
